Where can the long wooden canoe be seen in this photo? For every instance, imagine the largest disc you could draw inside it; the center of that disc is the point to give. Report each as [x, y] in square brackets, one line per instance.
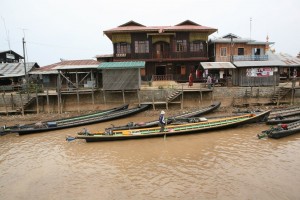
[196, 113]
[284, 112]
[93, 120]
[280, 131]
[60, 123]
[283, 120]
[173, 129]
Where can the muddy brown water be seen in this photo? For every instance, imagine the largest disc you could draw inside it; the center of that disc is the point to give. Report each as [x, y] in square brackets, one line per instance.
[224, 164]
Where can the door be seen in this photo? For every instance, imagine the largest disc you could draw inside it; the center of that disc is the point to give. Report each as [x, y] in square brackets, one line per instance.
[160, 70]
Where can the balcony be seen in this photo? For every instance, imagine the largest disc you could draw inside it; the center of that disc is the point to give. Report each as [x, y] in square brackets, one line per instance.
[250, 58]
[162, 56]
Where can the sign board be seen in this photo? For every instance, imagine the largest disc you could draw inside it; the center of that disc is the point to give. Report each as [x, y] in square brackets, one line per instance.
[259, 72]
[10, 56]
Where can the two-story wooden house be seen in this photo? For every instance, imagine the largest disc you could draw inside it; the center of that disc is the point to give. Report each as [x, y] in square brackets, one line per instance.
[170, 52]
[254, 66]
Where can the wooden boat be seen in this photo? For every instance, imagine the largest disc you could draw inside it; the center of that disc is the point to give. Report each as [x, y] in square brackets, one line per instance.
[80, 122]
[282, 130]
[61, 122]
[201, 111]
[283, 120]
[172, 129]
[284, 112]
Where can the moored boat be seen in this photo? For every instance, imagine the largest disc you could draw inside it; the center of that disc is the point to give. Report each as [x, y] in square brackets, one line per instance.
[196, 113]
[86, 121]
[283, 120]
[281, 130]
[71, 121]
[284, 112]
[172, 130]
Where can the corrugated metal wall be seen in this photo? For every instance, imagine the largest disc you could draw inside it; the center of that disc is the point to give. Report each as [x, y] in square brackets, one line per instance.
[121, 79]
[257, 81]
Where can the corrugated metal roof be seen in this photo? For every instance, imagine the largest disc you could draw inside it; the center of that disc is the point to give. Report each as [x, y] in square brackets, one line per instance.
[15, 69]
[122, 65]
[267, 63]
[217, 65]
[76, 67]
[280, 60]
[238, 39]
[289, 60]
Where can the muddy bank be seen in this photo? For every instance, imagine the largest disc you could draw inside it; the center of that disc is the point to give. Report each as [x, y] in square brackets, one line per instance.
[32, 118]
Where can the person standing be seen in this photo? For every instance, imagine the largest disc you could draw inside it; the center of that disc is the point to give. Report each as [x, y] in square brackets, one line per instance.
[162, 121]
[208, 82]
[191, 80]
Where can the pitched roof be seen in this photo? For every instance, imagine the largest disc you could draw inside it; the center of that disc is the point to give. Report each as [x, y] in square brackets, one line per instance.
[16, 69]
[122, 65]
[132, 26]
[217, 65]
[237, 39]
[67, 64]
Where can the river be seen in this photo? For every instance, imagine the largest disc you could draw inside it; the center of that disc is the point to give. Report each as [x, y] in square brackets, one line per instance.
[226, 164]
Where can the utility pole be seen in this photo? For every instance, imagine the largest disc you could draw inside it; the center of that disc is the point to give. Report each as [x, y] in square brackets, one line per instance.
[26, 78]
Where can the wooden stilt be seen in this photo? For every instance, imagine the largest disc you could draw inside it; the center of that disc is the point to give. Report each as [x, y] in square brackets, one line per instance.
[3, 96]
[138, 94]
[181, 96]
[153, 104]
[12, 101]
[123, 96]
[22, 105]
[37, 101]
[48, 108]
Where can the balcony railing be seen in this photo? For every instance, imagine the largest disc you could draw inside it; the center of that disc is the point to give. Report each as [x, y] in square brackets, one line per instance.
[250, 58]
[162, 55]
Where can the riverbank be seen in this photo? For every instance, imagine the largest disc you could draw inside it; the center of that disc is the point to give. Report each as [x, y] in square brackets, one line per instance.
[32, 118]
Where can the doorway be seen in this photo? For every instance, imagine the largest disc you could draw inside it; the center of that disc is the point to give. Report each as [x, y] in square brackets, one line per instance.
[160, 70]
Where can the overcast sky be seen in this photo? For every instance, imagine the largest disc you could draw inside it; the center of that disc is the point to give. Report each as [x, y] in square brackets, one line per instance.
[72, 29]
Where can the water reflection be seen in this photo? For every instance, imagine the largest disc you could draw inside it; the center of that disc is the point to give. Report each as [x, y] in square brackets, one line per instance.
[227, 164]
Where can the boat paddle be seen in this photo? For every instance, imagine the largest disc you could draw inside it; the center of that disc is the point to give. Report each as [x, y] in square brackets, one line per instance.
[70, 138]
[165, 136]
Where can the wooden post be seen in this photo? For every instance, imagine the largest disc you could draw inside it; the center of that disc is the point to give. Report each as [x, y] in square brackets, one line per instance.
[93, 97]
[123, 96]
[104, 97]
[5, 104]
[48, 109]
[22, 105]
[77, 91]
[138, 94]
[181, 96]
[293, 90]
[153, 100]
[37, 101]
[58, 92]
[12, 101]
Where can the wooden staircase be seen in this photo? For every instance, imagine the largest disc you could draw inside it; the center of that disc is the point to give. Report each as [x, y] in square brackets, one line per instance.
[280, 93]
[173, 96]
[26, 103]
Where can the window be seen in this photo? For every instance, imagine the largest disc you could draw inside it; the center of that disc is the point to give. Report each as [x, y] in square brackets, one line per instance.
[240, 51]
[141, 46]
[196, 46]
[223, 51]
[256, 51]
[123, 48]
[181, 45]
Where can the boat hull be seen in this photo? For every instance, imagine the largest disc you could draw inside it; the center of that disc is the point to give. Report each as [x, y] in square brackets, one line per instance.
[172, 130]
[197, 113]
[106, 117]
[277, 133]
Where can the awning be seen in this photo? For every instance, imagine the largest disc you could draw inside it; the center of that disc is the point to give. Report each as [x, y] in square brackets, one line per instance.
[122, 65]
[217, 65]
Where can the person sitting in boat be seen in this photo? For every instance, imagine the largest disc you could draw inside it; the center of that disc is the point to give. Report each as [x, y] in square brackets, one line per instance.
[162, 121]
